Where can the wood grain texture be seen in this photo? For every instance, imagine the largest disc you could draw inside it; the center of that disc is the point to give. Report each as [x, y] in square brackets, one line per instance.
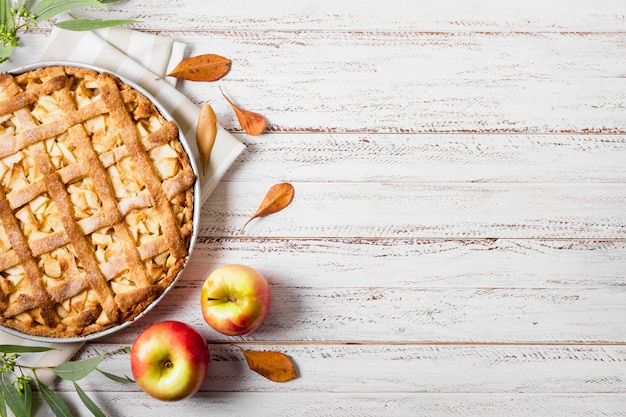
[421, 81]
[368, 404]
[419, 315]
[418, 263]
[432, 158]
[384, 380]
[401, 15]
[333, 368]
[404, 210]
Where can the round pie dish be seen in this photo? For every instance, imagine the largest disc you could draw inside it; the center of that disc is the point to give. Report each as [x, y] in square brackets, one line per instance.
[99, 202]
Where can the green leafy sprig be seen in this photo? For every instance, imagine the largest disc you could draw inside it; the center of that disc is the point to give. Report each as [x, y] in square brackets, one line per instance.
[21, 15]
[17, 387]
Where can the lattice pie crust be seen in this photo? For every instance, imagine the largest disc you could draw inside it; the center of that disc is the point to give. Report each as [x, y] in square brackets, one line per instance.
[96, 202]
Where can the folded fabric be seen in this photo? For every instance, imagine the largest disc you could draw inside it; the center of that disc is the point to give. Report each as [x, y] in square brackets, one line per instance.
[143, 59]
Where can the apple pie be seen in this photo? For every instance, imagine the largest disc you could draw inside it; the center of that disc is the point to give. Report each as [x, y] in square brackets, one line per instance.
[96, 202]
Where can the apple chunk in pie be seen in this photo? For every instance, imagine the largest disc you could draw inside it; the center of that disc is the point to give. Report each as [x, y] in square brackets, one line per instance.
[96, 202]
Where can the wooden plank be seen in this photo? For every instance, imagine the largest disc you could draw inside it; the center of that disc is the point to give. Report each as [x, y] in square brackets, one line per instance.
[452, 15]
[418, 315]
[440, 82]
[417, 263]
[406, 210]
[538, 369]
[424, 158]
[370, 404]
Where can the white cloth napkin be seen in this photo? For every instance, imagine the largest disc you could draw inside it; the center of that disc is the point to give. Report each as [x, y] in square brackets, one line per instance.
[143, 59]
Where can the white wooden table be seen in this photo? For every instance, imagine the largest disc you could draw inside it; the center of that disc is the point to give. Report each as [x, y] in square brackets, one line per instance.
[457, 242]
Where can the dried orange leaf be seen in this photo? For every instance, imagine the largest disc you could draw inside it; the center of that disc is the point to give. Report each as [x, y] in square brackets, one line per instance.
[206, 131]
[277, 198]
[274, 366]
[252, 123]
[208, 67]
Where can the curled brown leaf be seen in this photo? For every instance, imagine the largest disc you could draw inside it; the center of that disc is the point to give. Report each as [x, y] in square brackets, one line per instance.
[207, 67]
[277, 198]
[274, 366]
[206, 131]
[252, 123]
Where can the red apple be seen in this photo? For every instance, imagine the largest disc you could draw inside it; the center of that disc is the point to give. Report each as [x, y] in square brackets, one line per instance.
[169, 360]
[235, 299]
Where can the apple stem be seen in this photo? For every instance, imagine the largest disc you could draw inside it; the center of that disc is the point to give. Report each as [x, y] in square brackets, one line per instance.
[231, 299]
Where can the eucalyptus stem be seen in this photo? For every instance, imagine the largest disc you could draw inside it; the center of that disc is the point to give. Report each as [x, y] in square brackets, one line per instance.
[16, 386]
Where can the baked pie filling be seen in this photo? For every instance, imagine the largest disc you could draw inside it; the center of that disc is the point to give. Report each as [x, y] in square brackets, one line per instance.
[96, 202]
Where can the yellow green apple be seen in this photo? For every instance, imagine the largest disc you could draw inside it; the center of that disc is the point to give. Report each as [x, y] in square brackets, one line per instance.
[235, 299]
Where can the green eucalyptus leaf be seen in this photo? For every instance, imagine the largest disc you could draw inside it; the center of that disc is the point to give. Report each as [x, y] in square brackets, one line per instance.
[79, 25]
[13, 399]
[8, 24]
[23, 349]
[3, 405]
[28, 397]
[122, 379]
[47, 9]
[55, 402]
[110, 1]
[91, 406]
[75, 370]
[5, 52]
